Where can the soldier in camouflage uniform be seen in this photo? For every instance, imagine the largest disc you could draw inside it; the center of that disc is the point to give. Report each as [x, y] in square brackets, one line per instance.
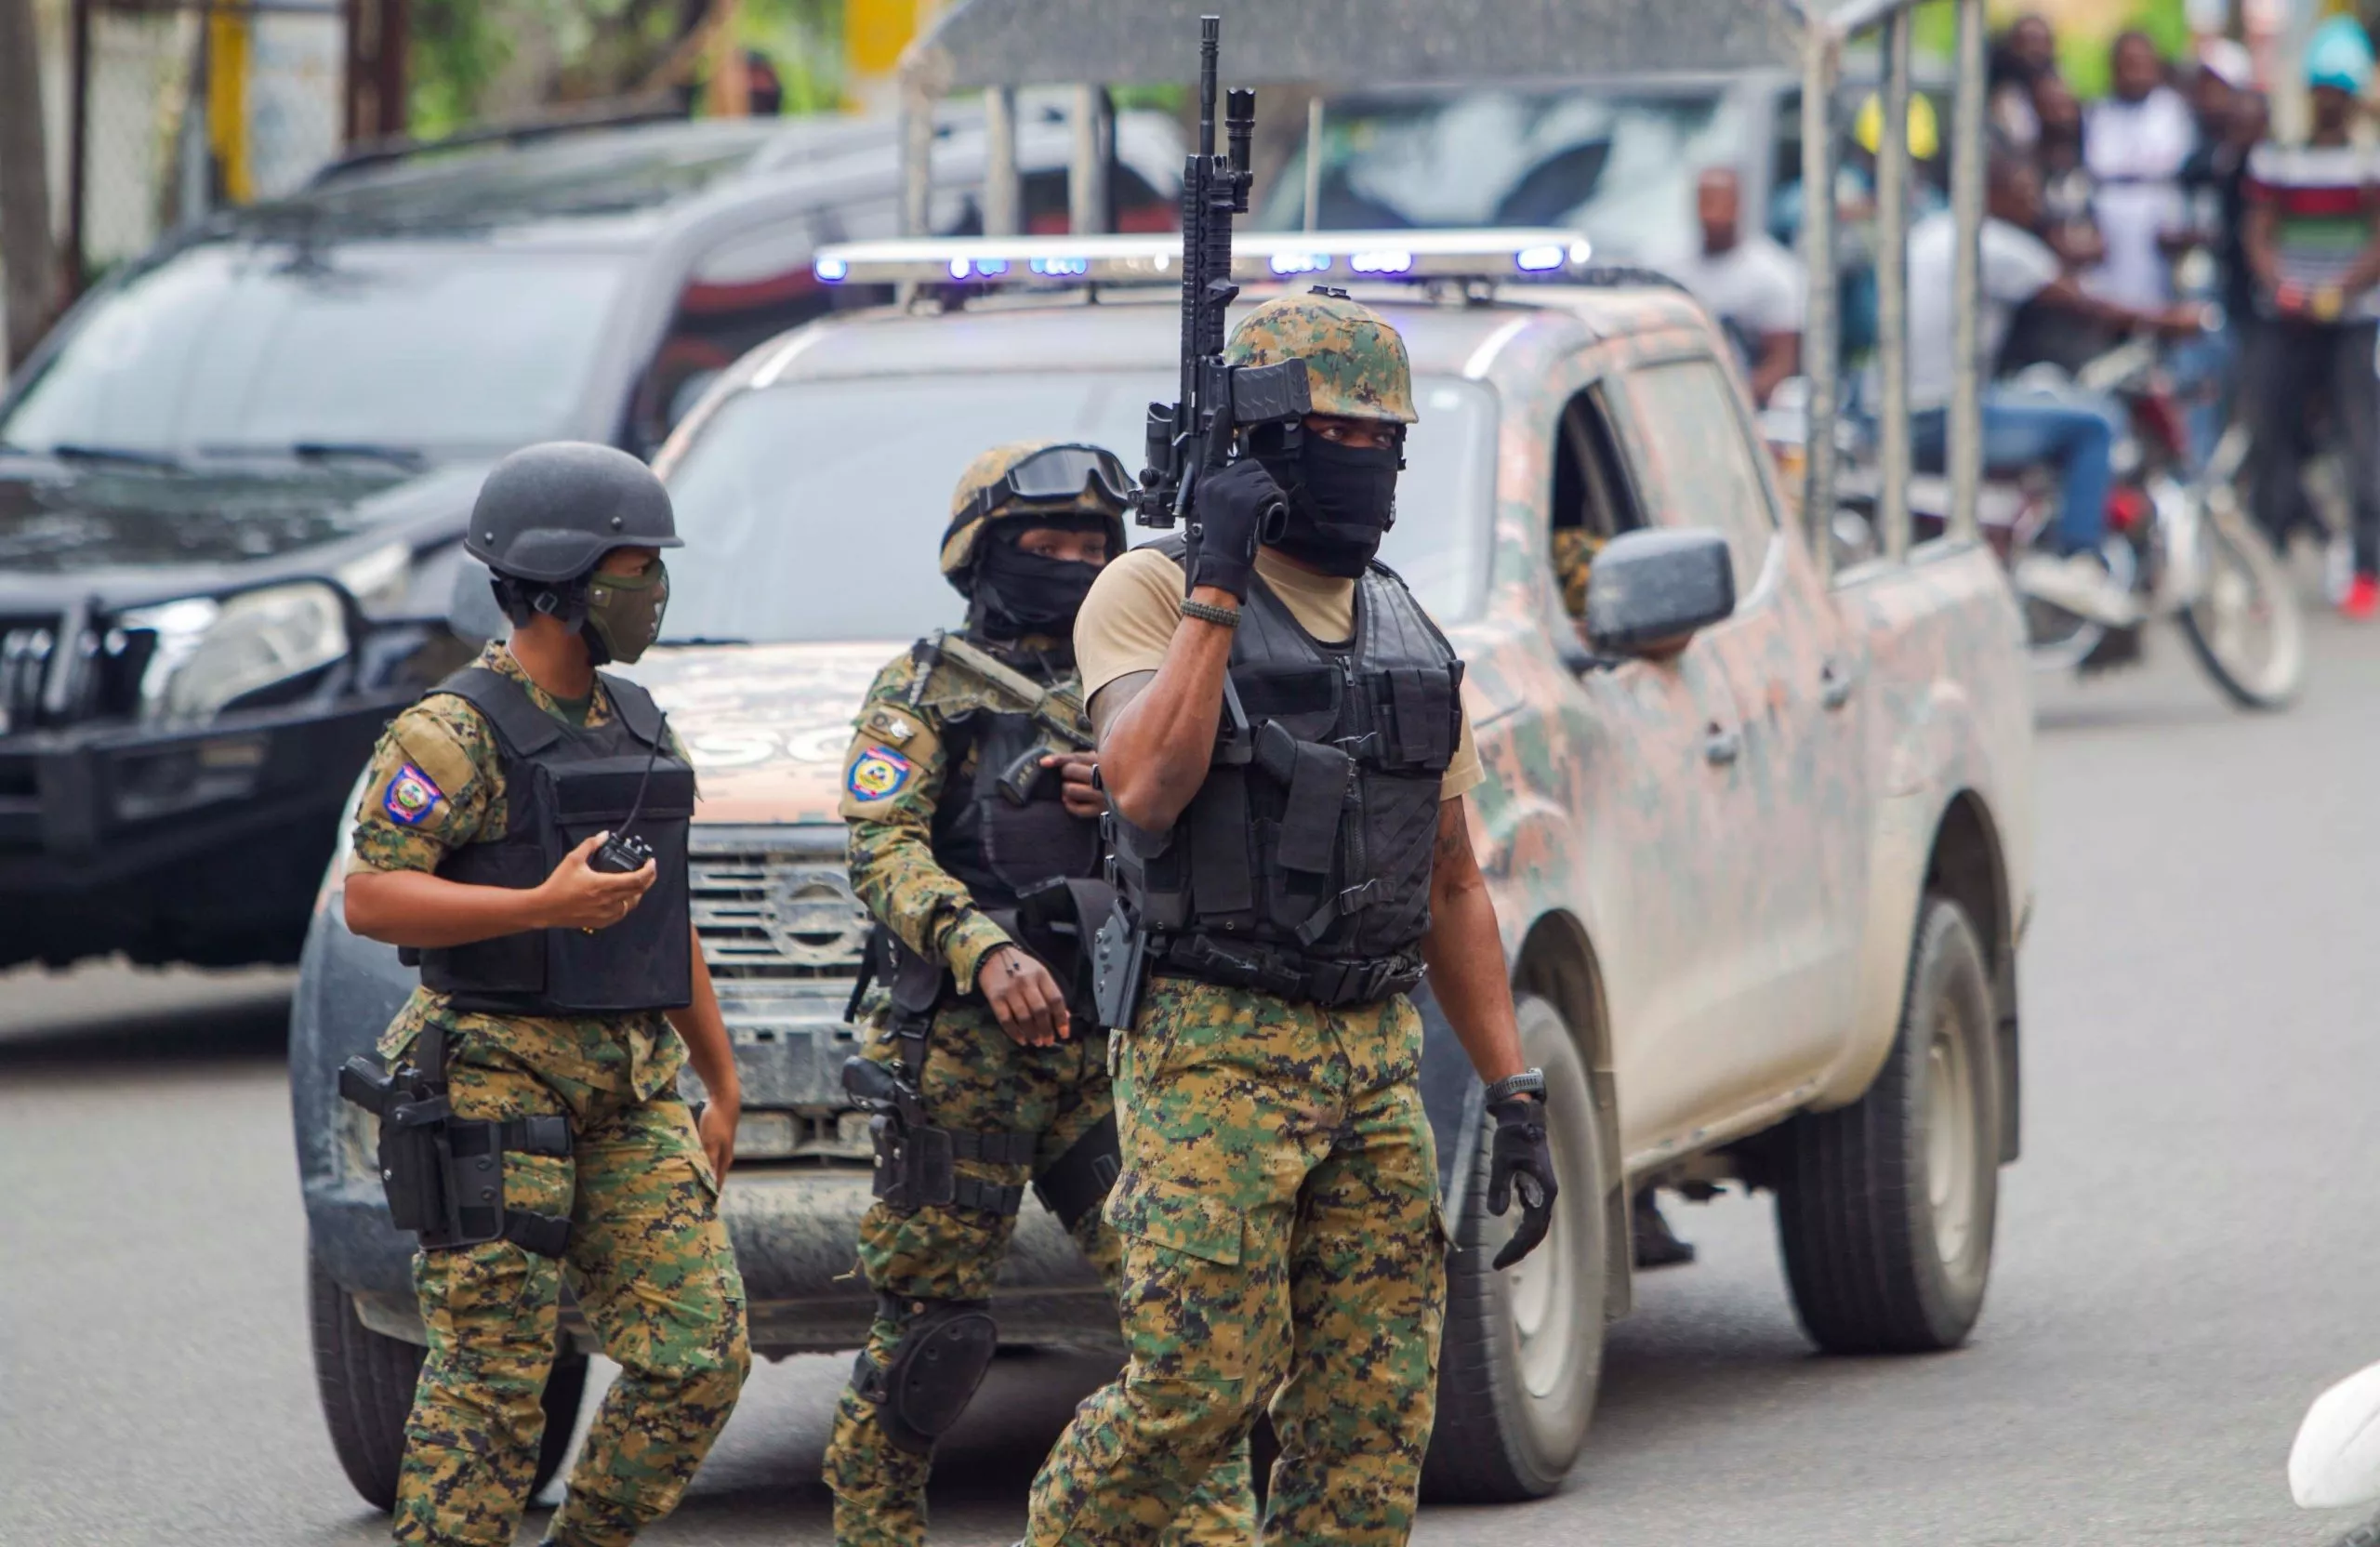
[1289, 867]
[623, 1203]
[968, 783]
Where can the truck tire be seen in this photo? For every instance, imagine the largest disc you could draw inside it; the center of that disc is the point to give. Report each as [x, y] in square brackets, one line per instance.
[1885, 1207]
[1523, 1349]
[365, 1381]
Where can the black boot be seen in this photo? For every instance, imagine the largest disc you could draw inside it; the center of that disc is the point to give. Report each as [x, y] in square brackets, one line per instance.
[1657, 1246]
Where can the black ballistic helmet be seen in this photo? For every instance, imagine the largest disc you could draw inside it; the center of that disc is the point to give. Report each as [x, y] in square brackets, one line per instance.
[550, 512]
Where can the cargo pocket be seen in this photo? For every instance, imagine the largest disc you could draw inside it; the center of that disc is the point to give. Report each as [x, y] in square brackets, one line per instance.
[1190, 1314]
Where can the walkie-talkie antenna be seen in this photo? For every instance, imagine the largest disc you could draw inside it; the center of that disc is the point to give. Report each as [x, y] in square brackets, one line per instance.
[636, 807]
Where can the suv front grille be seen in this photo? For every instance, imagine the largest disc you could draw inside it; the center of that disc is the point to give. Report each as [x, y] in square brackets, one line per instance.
[776, 903]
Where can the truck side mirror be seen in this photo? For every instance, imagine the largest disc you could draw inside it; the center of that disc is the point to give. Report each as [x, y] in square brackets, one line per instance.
[1649, 591]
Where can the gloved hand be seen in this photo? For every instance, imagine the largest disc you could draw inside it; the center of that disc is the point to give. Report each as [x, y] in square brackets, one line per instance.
[1519, 1156]
[1228, 510]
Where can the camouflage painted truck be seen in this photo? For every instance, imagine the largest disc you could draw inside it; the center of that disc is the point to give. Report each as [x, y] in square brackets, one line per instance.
[1759, 849]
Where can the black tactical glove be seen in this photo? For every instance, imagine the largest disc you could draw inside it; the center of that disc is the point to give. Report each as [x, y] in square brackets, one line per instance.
[1229, 508]
[1519, 1156]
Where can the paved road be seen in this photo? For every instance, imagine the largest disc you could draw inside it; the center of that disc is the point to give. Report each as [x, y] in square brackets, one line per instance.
[2182, 1262]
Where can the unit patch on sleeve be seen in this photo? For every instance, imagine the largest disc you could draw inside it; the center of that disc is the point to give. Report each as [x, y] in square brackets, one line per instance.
[411, 796]
[879, 772]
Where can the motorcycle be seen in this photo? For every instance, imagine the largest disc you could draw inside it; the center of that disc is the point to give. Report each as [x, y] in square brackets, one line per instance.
[2179, 543]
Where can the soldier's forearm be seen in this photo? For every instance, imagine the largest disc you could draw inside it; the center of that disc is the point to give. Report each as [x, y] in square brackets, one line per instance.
[1465, 953]
[415, 908]
[1153, 753]
[898, 878]
[704, 1030]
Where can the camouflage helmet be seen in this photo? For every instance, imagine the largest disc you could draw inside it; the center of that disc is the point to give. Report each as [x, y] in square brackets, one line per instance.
[982, 498]
[1356, 366]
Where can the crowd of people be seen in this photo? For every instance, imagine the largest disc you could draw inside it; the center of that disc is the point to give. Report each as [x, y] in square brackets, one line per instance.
[2167, 206]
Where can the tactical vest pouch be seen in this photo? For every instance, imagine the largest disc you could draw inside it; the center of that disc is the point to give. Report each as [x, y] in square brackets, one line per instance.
[614, 970]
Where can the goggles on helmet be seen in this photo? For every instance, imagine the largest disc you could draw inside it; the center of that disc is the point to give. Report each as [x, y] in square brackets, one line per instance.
[1059, 473]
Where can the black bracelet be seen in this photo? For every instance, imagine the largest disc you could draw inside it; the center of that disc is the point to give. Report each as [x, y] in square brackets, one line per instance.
[1529, 1082]
[1223, 617]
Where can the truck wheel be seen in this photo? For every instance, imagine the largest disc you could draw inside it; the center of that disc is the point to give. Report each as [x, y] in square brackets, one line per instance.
[366, 1380]
[1523, 1348]
[1885, 1208]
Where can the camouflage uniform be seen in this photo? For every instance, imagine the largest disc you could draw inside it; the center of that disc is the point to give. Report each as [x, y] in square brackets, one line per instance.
[649, 1260]
[1283, 1244]
[976, 1079]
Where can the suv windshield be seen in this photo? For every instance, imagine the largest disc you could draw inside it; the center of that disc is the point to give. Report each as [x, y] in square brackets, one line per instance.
[1620, 167]
[264, 345]
[813, 511]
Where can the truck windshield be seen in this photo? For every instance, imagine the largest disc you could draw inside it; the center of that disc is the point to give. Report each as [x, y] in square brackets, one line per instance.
[251, 346]
[814, 511]
[1620, 167]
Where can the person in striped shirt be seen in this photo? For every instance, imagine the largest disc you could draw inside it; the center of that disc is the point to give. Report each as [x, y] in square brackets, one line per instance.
[2313, 243]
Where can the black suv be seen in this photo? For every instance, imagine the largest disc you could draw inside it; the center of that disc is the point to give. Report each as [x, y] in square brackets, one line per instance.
[233, 483]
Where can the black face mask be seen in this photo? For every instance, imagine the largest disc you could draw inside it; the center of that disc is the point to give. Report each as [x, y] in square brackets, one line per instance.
[1341, 501]
[1018, 593]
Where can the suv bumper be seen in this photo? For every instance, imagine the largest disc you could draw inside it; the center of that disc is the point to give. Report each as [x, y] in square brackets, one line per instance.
[204, 844]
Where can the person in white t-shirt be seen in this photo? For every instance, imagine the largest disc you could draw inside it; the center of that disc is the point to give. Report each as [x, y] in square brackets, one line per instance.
[2135, 143]
[1748, 281]
[2022, 427]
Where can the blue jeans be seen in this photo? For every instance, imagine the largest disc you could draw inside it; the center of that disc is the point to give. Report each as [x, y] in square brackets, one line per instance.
[2202, 372]
[2073, 431]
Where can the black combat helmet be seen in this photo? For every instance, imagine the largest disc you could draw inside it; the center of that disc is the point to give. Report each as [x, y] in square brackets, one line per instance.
[550, 512]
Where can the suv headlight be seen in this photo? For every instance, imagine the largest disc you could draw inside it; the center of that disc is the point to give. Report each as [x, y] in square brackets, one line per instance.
[210, 650]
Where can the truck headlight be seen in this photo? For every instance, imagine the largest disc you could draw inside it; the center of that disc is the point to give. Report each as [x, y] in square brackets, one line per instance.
[211, 651]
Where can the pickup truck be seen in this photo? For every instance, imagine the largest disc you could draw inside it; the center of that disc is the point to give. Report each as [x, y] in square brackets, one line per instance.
[1762, 884]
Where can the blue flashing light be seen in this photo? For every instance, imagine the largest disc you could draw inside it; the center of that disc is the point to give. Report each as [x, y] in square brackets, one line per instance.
[832, 270]
[960, 267]
[1537, 260]
[1301, 263]
[1381, 263]
[991, 268]
[1059, 268]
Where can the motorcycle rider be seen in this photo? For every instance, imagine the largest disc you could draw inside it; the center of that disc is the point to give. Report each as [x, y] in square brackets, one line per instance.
[2073, 431]
[975, 842]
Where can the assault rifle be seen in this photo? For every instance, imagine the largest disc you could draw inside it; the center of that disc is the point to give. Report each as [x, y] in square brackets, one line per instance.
[1194, 433]
[1057, 710]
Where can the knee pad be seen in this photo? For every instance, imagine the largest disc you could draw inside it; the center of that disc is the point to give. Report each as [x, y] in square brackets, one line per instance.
[945, 1349]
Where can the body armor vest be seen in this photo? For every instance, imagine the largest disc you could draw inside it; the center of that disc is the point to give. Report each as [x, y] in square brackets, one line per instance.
[998, 846]
[1302, 866]
[562, 787]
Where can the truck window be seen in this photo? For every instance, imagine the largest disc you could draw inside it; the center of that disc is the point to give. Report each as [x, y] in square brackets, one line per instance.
[1699, 467]
[747, 289]
[1593, 502]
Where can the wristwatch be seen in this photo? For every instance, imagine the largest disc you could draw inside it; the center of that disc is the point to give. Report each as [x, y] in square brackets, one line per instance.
[1529, 1082]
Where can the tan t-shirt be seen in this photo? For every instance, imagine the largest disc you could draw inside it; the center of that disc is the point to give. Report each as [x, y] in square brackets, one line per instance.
[1130, 616]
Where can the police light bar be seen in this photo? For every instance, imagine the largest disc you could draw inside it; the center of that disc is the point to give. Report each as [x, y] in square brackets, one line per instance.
[1523, 251]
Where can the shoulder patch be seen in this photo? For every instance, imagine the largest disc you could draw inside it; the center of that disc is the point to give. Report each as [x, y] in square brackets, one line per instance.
[446, 739]
[878, 774]
[410, 797]
[889, 725]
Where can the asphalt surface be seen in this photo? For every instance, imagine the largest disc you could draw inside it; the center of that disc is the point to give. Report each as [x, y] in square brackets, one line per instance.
[2187, 1250]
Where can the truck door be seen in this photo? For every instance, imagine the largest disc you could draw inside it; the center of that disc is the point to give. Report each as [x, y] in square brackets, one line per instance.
[1651, 743]
[1794, 836]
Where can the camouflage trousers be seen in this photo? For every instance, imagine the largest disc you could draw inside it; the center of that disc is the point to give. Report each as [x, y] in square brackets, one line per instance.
[976, 1080]
[1282, 1244]
[650, 1264]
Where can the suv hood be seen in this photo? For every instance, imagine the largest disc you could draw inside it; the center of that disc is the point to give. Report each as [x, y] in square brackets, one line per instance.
[126, 533]
[767, 725]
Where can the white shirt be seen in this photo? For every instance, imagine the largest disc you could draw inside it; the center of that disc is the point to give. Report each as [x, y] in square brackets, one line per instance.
[2017, 265]
[1754, 284]
[2136, 151]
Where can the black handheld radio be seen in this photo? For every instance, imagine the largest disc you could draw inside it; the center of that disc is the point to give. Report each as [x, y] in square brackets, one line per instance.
[624, 852]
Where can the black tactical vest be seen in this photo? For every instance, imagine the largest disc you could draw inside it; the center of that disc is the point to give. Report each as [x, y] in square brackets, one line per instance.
[1302, 866]
[563, 786]
[999, 845]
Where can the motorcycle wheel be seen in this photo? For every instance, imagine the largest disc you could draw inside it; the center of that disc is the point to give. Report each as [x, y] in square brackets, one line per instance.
[2245, 625]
